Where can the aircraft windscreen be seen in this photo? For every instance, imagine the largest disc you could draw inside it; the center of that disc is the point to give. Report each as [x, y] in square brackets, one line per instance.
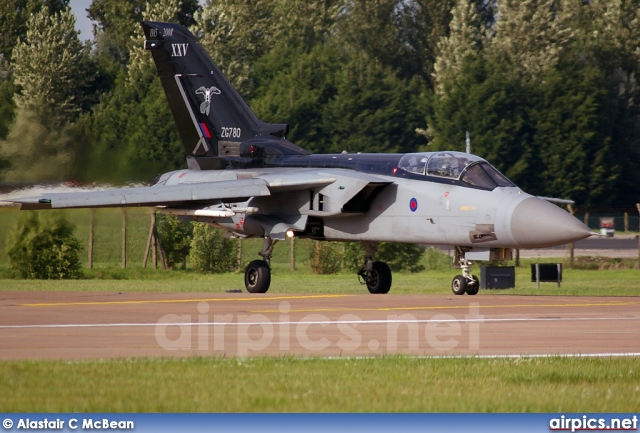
[485, 176]
[455, 165]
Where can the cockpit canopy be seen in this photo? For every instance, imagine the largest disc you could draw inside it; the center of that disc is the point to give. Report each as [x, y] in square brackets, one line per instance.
[464, 167]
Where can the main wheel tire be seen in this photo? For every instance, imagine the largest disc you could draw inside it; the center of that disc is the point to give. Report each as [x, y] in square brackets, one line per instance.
[459, 285]
[473, 289]
[379, 279]
[257, 277]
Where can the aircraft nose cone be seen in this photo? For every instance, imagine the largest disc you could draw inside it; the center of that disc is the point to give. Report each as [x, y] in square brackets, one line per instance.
[536, 223]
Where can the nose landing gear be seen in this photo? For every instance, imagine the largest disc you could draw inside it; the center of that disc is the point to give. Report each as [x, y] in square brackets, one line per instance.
[257, 275]
[465, 283]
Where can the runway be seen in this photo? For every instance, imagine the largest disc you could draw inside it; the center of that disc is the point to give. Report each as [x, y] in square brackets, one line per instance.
[99, 325]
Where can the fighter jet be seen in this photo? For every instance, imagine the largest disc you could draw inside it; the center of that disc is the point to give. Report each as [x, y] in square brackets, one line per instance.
[244, 176]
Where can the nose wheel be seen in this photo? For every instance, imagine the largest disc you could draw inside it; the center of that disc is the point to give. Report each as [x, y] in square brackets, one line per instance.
[465, 283]
[257, 275]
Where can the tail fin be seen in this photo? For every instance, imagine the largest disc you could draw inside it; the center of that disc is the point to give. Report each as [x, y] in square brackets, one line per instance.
[211, 116]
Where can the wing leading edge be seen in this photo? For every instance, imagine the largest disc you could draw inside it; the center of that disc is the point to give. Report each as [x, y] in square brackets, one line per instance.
[159, 195]
[182, 194]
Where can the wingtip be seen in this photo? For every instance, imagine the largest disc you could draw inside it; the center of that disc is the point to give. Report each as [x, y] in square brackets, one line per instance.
[30, 203]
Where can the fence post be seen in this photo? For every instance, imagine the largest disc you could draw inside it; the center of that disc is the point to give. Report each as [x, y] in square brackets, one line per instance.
[638, 207]
[292, 254]
[124, 237]
[572, 211]
[160, 250]
[626, 221]
[154, 245]
[150, 243]
[92, 213]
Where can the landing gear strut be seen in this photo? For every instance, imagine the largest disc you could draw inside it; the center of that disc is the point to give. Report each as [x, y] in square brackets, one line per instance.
[376, 275]
[465, 283]
[257, 276]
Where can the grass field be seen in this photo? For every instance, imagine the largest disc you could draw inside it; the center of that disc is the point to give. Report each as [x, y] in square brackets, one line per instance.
[382, 384]
[387, 384]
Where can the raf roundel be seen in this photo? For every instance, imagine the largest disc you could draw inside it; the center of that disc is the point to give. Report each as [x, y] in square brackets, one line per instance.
[413, 205]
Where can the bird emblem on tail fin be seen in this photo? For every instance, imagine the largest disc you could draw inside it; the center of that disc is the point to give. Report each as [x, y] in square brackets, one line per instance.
[205, 106]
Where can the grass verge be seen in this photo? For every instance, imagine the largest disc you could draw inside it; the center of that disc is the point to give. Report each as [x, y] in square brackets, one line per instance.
[385, 384]
[576, 282]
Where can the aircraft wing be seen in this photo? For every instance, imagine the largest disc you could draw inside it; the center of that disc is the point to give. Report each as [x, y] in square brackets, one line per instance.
[172, 195]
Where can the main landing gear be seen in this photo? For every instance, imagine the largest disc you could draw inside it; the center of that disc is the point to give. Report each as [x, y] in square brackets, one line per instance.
[465, 283]
[257, 275]
[376, 275]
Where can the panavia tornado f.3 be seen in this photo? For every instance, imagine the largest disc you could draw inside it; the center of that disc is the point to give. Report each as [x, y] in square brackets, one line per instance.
[245, 177]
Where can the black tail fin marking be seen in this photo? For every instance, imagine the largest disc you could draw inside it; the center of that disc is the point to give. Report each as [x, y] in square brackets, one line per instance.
[210, 114]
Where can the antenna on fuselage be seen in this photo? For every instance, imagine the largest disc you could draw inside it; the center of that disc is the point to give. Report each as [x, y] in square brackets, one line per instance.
[468, 142]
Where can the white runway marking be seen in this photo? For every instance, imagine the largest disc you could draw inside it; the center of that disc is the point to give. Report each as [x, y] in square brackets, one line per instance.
[525, 356]
[479, 319]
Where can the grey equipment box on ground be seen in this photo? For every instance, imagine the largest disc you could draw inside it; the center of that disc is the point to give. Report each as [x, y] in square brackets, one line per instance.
[546, 272]
[497, 277]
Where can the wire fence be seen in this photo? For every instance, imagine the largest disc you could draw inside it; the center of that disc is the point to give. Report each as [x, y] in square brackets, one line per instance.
[622, 222]
[108, 235]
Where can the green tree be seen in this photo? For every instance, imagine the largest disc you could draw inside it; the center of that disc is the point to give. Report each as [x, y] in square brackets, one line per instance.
[14, 15]
[175, 237]
[461, 46]
[374, 110]
[608, 30]
[606, 36]
[371, 27]
[529, 36]
[51, 68]
[399, 257]
[326, 258]
[296, 87]
[532, 97]
[7, 106]
[211, 252]
[572, 136]
[238, 33]
[487, 100]
[38, 150]
[52, 73]
[303, 24]
[44, 250]
[421, 24]
[333, 103]
[131, 133]
[235, 34]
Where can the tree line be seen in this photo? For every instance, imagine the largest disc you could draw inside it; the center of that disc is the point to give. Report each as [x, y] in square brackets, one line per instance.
[548, 89]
